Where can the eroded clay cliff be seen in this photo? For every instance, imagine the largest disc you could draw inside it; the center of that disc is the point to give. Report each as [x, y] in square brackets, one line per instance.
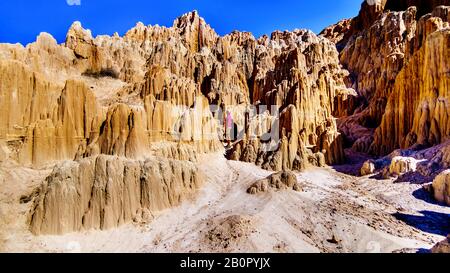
[129, 115]
[396, 52]
[166, 84]
[107, 191]
[164, 92]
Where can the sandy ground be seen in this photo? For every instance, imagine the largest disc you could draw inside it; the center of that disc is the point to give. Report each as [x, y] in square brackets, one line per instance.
[334, 213]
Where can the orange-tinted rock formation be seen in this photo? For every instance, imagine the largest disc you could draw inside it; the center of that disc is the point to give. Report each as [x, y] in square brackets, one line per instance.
[396, 52]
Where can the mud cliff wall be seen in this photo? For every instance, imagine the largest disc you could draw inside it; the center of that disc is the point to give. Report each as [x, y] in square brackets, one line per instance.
[299, 73]
[112, 106]
[147, 103]
[397, 65]
[417, 110]
[105, 191]
[157, 84]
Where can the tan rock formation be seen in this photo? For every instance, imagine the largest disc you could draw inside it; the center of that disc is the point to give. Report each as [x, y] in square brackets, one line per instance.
[123, 133]
[371, 11]
[429, 162]
[389, 49]
[158, 96]
[149, 94]
[64, 120]
[337, 32]
[4, 151]
[417, 110]
[177, 151]
[106, 191]
[400, 165]
[51, 123]
[163, 77]
[18, 87]
[367, 168]
[375, 70]
[441, 187]
[442, 247]
[299, 74]
[278, 181]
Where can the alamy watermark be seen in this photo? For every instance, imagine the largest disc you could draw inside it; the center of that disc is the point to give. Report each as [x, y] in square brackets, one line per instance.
[73, 2]
[260, 122]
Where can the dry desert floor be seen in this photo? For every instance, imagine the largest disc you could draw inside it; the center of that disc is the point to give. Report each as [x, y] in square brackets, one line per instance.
[335, 212]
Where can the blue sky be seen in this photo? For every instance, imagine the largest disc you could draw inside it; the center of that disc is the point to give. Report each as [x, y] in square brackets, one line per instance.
[22, 20]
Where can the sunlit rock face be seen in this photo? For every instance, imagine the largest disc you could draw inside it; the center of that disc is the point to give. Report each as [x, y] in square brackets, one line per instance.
[111, 104]
[123, 119]
[299, 74]
[441, 187]
[442, 247]
[396, 52]
[117, 95]
[417, 110]
[105, 192]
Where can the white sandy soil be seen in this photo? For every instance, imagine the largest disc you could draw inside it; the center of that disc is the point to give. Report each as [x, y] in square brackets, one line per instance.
[334, 213]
